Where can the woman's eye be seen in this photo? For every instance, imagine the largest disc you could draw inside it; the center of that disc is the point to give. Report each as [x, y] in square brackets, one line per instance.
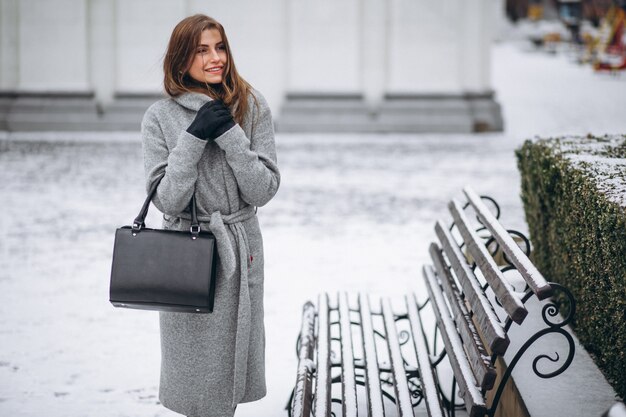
[202, 50]
[221, 48]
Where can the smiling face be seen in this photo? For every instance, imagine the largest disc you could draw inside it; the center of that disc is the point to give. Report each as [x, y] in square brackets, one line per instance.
[209, 59]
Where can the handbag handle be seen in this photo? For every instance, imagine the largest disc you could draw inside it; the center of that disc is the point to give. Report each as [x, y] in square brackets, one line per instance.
[139, 221]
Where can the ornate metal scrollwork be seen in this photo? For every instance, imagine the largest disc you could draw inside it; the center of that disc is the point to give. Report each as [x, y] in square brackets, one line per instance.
[549, 311]
[403, 337]
[424, 304]
[566, 363]
[492, 201]
[415, 388]
[552, 309]
[439, 358]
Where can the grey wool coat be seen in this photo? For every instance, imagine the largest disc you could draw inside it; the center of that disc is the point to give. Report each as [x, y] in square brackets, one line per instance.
[212, 362]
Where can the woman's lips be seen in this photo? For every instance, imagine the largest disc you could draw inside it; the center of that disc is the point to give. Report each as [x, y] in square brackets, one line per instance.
[214, 70]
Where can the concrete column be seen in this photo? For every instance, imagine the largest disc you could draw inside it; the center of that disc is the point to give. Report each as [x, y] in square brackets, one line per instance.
[102, 57]
[422, 47]
[53, 46]
[324, 46]
[9, 40]
[374, 50]
[143, 31]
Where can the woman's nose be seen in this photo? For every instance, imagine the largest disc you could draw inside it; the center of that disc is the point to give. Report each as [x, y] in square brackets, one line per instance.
[214, 56]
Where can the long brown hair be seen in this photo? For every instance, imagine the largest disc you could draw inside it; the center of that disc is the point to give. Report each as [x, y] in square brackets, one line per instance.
[233, 90]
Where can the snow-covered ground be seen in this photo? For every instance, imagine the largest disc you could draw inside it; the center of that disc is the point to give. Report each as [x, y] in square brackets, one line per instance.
[354, 212]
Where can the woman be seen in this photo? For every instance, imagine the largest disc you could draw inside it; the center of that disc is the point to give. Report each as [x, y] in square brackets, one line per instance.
[212, 136]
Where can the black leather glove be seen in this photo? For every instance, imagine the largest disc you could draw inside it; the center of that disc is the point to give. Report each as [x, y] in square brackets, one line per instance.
[213, 119]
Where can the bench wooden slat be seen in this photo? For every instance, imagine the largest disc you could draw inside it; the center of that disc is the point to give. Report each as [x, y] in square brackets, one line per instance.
[516, 256]
[478, 356]
[348, 386]
[434, 407]
[302, 393]
[474, 402]
[323, 379]
[372, 372]
[503, 291]
[490, 327]
[401, 386]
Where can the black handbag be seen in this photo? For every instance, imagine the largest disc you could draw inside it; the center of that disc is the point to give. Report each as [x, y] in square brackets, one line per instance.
[164, 270]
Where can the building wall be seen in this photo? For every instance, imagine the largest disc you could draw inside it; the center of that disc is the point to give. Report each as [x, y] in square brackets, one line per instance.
[367, 48]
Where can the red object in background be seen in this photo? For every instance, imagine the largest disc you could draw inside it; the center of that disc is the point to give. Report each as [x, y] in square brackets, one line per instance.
[606, 66]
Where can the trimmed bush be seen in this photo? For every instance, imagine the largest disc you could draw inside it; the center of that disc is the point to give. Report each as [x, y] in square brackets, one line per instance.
[574, 195]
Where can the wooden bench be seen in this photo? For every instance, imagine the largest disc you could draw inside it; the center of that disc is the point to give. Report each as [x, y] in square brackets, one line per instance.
[356, 356]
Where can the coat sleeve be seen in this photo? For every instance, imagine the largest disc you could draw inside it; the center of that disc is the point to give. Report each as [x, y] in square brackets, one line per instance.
[253, 160]
[180, 165]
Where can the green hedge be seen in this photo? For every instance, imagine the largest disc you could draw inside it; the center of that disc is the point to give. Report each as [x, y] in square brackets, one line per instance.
[574, 195]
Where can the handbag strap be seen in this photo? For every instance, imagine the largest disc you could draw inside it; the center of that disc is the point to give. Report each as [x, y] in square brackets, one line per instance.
[139, 221]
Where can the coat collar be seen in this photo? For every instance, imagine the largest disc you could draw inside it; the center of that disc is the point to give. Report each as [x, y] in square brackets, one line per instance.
[192, 101]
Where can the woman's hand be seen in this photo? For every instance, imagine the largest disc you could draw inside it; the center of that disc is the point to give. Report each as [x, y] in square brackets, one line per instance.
[213, 120]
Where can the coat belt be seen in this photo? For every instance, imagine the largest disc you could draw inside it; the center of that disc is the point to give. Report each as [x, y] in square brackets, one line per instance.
[217, 225]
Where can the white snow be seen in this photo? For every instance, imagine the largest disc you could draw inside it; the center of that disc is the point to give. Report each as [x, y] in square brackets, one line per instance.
[354, 213]
[609, 174]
